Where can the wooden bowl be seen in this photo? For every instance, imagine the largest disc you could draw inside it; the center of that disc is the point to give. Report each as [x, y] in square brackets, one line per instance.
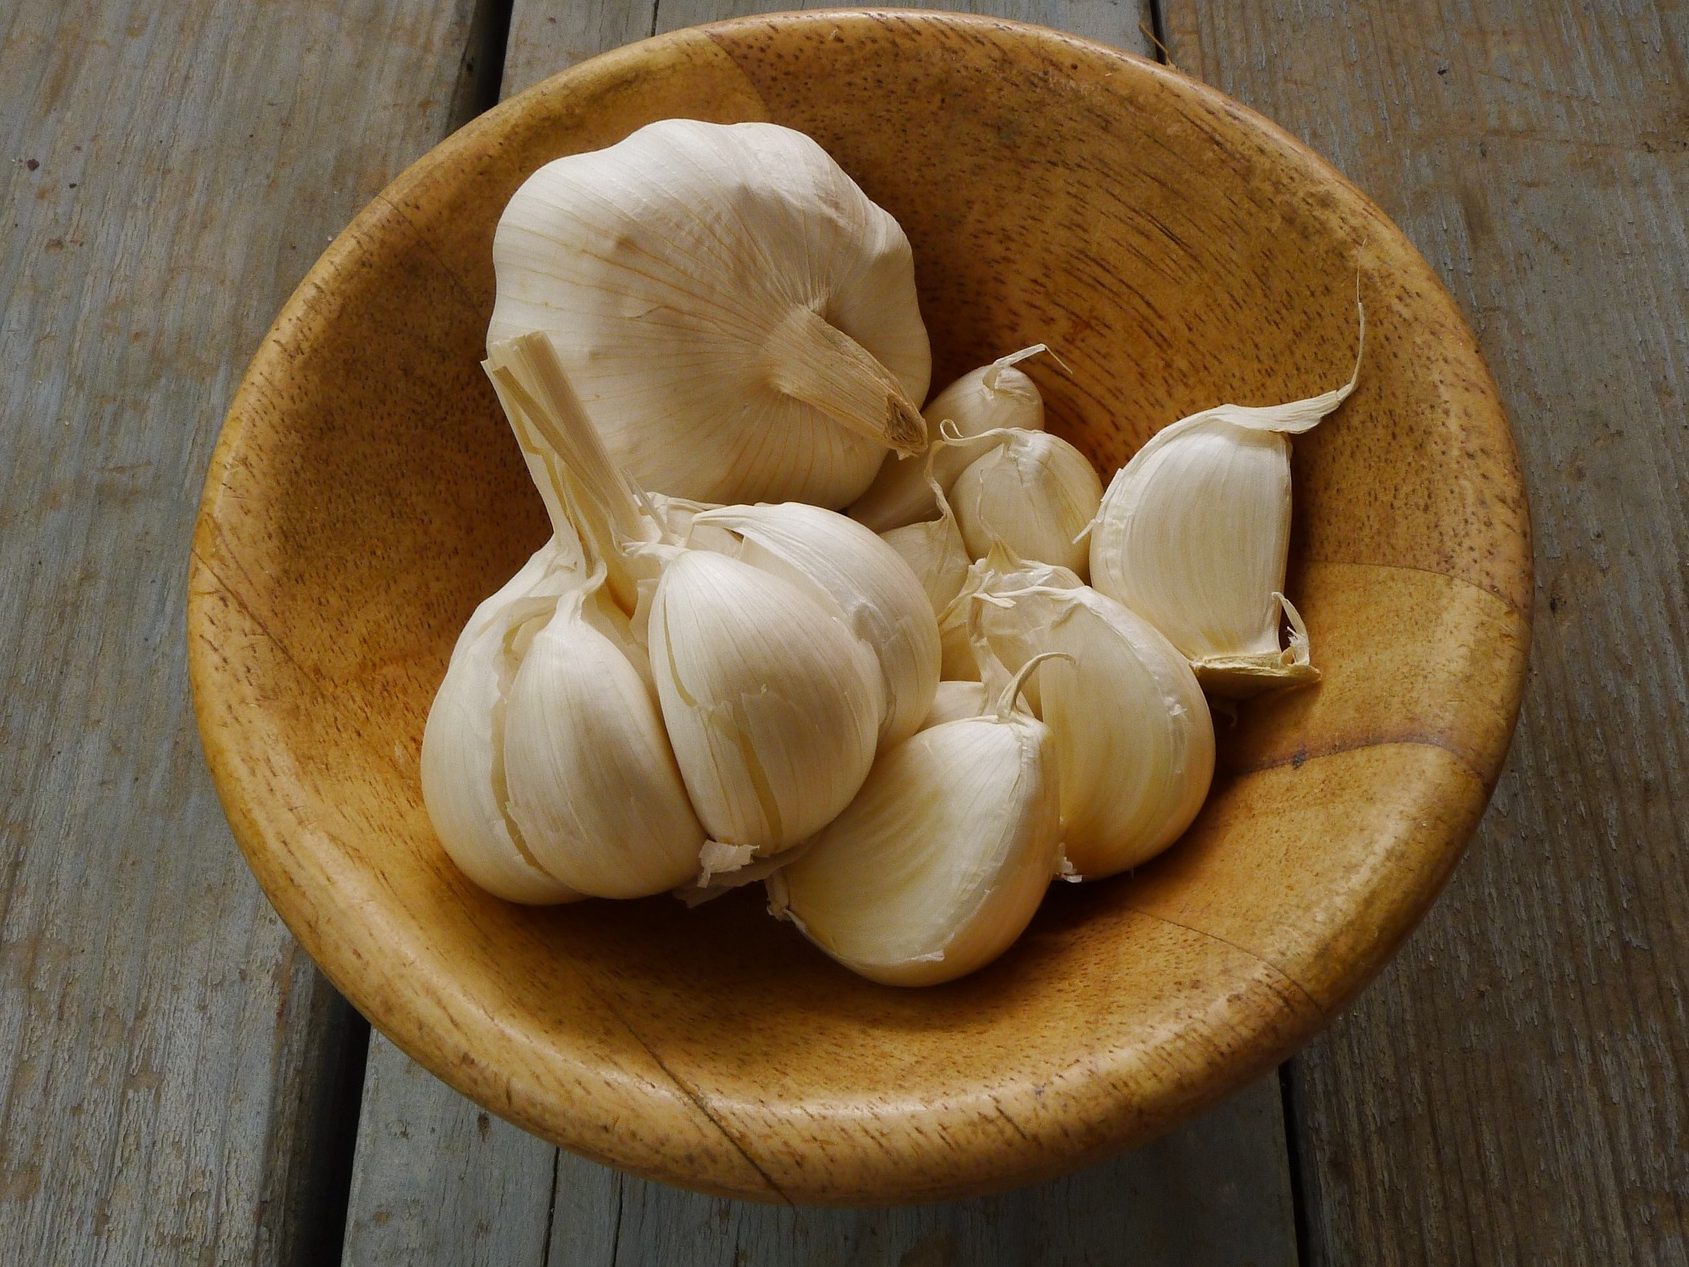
[1178, 251]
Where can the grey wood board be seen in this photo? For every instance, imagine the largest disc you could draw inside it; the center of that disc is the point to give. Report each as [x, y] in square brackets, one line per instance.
[1217, 1191]
[1513, 1088]
[439, 1180]
[169, 1056]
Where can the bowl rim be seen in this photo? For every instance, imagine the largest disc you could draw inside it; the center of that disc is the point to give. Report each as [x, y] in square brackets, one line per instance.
[575, 1126]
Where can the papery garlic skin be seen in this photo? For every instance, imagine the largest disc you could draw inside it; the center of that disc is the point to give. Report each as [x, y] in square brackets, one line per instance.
[877, 596]
[986, 399]
[772, 705]
[1133, 739]
[738, 318]
[462, 764]
[1193, 534]
[593, 783]
[941, 861]
[1032, 492]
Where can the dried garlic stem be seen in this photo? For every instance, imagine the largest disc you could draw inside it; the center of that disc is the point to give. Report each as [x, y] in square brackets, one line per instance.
[819, 364]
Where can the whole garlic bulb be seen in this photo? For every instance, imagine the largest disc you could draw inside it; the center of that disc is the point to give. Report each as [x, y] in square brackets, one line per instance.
[737, 317]
[940, 861]
[771, 703]
[989, 398]
[462, 766]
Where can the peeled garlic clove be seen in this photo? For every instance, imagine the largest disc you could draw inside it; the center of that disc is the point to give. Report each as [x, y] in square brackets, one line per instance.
[1032, 492]
[873, 590]
[987, 399]
[1194, 535]
[955, 700]
[941, 860]
[462, 766]
[1133, 740]
[593, 783]
[739, 319]
[772, 705]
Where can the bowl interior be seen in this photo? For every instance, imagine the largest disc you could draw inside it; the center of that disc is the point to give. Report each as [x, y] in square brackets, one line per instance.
[1177, 251]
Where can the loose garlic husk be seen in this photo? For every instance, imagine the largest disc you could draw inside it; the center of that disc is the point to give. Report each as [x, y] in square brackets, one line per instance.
[847, 566]
[738, 318]
[1193, 534]
[1134, 744]
[1030, 491]
[772, 705]
[462, 765]
[593, 783]
[990, 398]
[935, 553]
[940, 862]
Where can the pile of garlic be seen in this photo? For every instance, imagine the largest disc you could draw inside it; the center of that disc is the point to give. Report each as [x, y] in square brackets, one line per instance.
[906, 719]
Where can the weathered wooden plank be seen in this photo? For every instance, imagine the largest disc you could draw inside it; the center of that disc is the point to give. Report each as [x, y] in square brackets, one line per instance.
[438, 1180]
[172, 1065]
[1215, 1192]
[1513, 1089]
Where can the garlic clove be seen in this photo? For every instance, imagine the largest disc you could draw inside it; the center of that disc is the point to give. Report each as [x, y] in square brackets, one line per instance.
[847, 567]
[593, 783]
[935, 554]
[739, 319]
[1000, 570]
[1032, 492]
[934, 551]
[940, 861]
[955, 700]
[986, 399]
[1134, 743]
[1193, 534]
[462, 764]
[773, 706]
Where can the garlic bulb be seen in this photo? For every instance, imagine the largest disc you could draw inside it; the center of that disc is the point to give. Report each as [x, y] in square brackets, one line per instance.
[848, 567]
[462, 766]
[739, 320]
[1134, 745]
[1194, 535]
[990, 398]
[772, 705]
[935, 553]
[593, 783]
[940, 861]
[1033, 492]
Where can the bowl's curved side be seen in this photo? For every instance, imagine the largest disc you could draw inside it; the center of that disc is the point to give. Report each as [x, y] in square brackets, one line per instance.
[344, 534]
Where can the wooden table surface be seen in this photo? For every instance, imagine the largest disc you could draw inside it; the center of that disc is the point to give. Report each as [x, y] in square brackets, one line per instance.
[182, 1086]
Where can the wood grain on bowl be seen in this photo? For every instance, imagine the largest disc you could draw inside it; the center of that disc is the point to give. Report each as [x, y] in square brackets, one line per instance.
[1177, 250]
